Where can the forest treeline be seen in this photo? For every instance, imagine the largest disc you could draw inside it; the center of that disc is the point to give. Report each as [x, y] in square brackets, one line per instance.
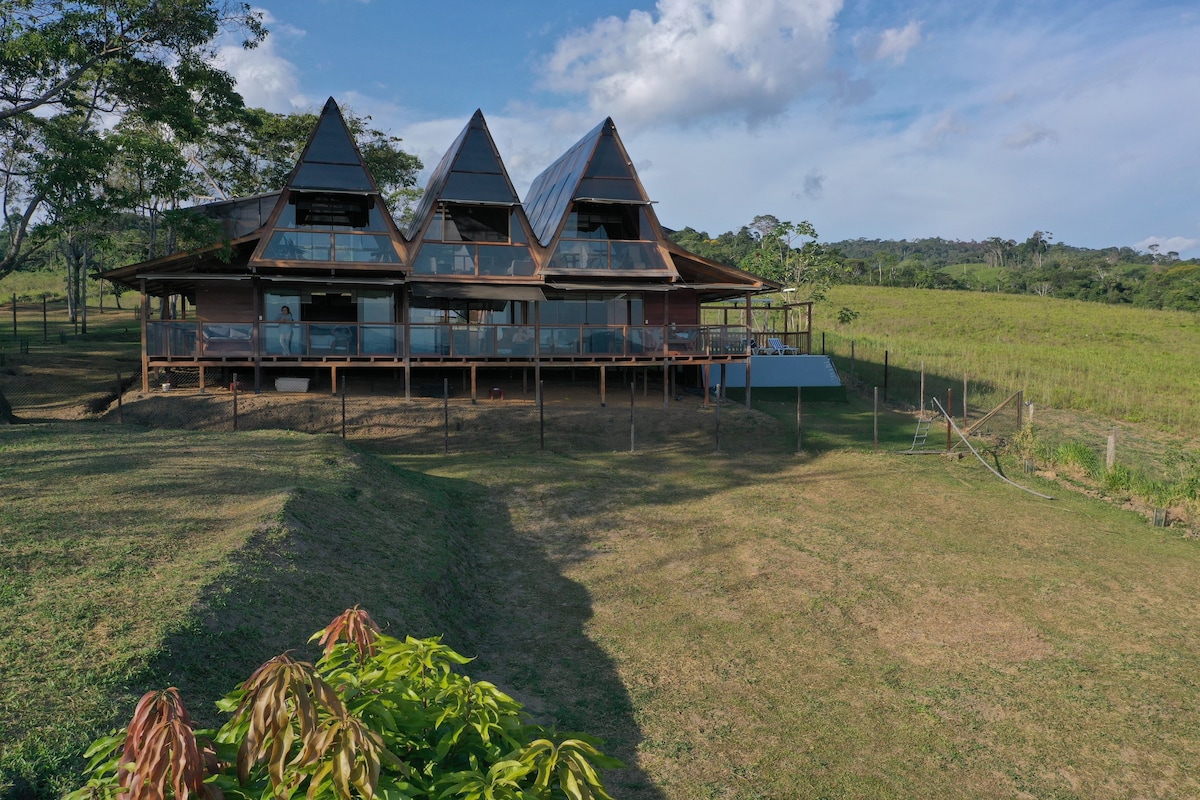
[1038, 265]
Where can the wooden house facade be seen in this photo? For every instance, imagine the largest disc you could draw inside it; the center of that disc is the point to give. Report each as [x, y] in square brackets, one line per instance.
[318, 275]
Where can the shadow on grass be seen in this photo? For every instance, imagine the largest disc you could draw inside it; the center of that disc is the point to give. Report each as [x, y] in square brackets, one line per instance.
[426, 556]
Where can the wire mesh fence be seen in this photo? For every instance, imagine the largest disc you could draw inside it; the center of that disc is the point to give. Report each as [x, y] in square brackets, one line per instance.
[506, 418]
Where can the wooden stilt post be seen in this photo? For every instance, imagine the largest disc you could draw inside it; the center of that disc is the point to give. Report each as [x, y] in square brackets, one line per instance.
[446, 416]
[603, 387]
[474, 385]
[145, 320]
[203, 382]
[666, 383]
[333, 379]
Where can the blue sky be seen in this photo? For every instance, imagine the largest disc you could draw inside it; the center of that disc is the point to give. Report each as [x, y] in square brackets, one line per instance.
[875, 119]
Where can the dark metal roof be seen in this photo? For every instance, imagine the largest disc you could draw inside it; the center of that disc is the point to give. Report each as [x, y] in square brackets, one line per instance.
[331, 159]
[470, 172]
[596, 168]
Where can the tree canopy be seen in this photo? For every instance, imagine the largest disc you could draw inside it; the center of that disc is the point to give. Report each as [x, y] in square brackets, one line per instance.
[69, 67]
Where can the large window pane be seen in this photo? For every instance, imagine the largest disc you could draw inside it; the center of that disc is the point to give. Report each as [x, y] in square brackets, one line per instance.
[475, 224]
[376, 306]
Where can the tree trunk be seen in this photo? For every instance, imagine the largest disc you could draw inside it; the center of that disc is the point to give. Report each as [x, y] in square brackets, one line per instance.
[6, 415]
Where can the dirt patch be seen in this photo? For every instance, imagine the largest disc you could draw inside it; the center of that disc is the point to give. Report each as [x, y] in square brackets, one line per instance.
[943, 628]
[572, 419]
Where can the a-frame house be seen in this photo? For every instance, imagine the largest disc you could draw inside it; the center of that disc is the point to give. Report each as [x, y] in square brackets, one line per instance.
[318, 277]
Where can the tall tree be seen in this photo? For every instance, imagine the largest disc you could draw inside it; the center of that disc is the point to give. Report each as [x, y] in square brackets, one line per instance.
[810, 265]
[256, 151]
[67, 63]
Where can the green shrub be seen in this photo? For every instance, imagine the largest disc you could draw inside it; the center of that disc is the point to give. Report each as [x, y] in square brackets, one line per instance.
[1080, 456]
[375, 717]
[1118, 479]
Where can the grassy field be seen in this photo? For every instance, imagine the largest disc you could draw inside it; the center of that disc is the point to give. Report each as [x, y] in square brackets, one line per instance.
[1113, 361]
[754, 624]
[848, 624]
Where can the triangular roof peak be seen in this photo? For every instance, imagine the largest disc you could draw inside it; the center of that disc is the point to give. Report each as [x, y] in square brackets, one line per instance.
[470, 172]
[330, 210]
[597, 167]
[331, 160]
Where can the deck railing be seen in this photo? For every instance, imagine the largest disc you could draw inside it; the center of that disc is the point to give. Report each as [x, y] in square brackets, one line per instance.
[331, 340]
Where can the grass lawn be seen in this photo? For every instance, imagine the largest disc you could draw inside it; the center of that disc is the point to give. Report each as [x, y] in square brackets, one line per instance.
[1113, 361]
[843, 623]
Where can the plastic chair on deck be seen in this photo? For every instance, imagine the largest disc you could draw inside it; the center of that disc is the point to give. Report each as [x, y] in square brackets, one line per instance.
[777, 346]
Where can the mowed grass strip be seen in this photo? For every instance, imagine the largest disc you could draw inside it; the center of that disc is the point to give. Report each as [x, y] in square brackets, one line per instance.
[851, 625]
[135, 560]
[1115, 361]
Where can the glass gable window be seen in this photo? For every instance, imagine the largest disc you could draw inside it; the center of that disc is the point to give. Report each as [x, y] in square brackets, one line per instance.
[602, 236]
[474, 240]
[331, 226]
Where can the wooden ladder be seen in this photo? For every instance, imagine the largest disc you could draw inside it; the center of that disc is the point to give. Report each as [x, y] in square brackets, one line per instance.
[922, 434]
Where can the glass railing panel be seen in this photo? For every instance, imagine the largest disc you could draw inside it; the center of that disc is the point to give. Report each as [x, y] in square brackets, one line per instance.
[332, 339]
[367, 247]
[171, 339]
[429, 340]
[298, 246]
[504, 260]
[474, 340]
[608, 341]
[227, 339]
[381, 340]
[580, 254]
[445, 259]
[514, 340]
[560, 340]
[645, 339]
[284, 339]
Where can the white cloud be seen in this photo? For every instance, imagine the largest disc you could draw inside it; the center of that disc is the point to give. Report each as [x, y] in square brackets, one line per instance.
[697, 59]
[895, 43]
[1176, 244]
[264, 78]
[1028, 135]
